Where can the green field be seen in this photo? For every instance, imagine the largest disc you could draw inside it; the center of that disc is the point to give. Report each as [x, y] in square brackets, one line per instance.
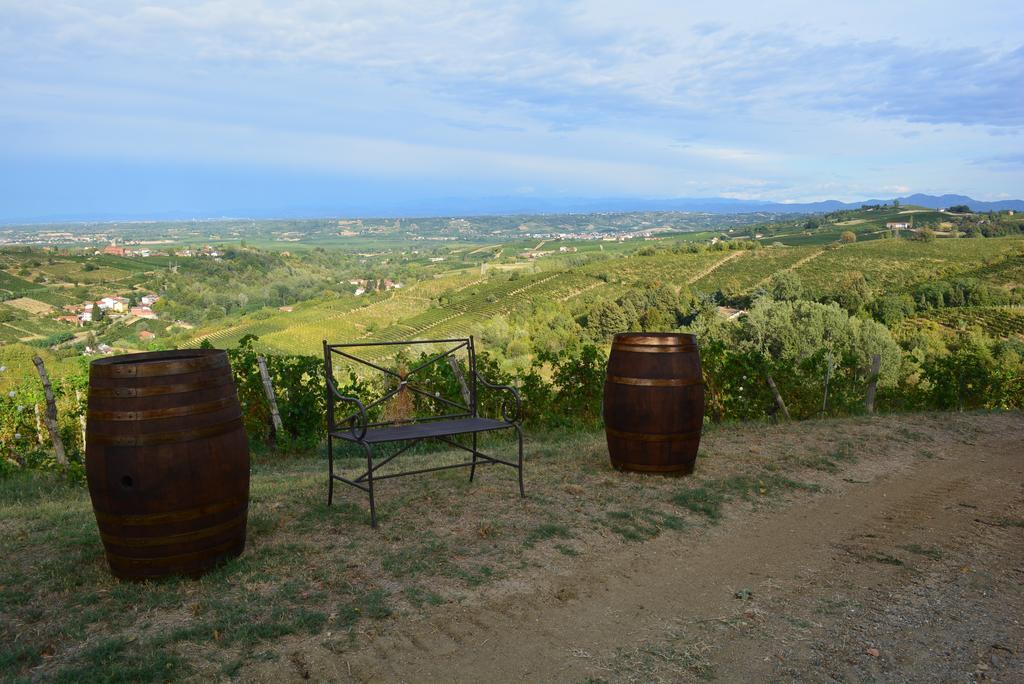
[461, 303]
[501, 285]
[75, 272]
[18, 287]
[997, 321]
[897, 264]
[410, 313]
[751, 268]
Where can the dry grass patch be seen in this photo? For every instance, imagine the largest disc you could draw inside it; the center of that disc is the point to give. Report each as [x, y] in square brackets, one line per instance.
[32, 306]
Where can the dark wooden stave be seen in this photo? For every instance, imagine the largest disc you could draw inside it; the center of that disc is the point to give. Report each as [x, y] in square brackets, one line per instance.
[173, 428]
[654, 402]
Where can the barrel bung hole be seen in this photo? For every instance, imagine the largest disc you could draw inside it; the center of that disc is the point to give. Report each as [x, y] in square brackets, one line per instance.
[127, 482]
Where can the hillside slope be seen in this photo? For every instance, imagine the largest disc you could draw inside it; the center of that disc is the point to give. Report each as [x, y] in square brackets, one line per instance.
[463, 304]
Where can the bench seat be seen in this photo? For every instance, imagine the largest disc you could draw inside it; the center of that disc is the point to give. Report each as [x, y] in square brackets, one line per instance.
[447, 416]
[437, 428]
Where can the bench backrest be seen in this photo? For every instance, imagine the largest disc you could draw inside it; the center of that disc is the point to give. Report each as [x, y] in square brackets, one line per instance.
[424, 355]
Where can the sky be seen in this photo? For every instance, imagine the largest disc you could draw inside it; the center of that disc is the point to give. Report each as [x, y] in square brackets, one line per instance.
[209, 108]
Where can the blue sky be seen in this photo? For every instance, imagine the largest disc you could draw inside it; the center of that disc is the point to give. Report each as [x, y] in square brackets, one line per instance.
[112, 108]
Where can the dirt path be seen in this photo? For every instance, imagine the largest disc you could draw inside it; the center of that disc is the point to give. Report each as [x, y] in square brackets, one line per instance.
[909, 570]
[713, 267]
[792, 267]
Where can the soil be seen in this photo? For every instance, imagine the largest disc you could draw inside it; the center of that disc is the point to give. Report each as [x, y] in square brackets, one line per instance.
[909, 567]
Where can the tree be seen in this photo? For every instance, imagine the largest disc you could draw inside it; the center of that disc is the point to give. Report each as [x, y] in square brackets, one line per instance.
[854, 292]
[799, 342]
[890, 309]
[812, 224]
[657, 320]
[786, 286]
[847, 237]
[606, 319]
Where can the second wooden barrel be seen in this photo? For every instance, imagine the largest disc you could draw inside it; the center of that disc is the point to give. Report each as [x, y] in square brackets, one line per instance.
[167, 462]
[654, 402]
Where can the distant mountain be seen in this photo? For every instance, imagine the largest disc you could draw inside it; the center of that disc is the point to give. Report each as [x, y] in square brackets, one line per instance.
[710, 205]
[945, 201]
[494, 206]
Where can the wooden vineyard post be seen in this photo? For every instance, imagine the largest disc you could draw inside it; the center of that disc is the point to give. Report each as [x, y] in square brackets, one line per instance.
[463, 387]
[51, 413]
[81, 416]
[268, 388]
[778, 397]
[828, 375]
[39, 424]
[876, 366]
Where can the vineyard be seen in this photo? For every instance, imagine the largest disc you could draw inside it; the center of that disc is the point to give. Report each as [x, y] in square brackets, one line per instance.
[752, 268]
[676, 269]
[997, 321]
[26, 327]
[898, 264]
[301, 330]
[13, 286]
[1005, 271]
[90, 276]
[75, 272]
[411, 313]
[459, 303]
[511, 294]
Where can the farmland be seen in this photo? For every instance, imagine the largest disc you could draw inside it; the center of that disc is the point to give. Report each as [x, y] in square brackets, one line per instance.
[515, 289]
[462, 303]
[752, 268]
[900, 263]
[17, 287]
[408, 314]
[1000, 322]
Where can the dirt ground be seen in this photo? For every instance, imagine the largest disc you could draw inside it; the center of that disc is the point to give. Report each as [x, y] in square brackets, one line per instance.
[908, 566]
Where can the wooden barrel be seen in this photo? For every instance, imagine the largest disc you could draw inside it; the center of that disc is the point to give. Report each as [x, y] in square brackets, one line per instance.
[654, 402]
[167, 461]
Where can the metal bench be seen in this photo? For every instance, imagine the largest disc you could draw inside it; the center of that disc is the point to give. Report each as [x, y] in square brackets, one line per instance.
[458, 419]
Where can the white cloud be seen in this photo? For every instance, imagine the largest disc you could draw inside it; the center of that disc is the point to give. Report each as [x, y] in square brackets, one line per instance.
[791, 99]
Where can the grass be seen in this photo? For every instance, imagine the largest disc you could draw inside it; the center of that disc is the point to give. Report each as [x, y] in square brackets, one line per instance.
[547, 531]
[418, 597]
[123, 659]
[321, 575]
[708, 499]
[832, 462]
[926, 551]
[883, 558]
[672, 660]
[642, 524]
[834, 606]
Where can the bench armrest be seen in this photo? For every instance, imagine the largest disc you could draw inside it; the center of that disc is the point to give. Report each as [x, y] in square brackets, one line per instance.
[357, 421]
[511, 406]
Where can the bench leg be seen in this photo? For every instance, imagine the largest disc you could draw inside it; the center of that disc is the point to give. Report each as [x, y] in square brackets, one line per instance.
[369, 484]
[472, 468]
[519, 432]
[330, 470]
